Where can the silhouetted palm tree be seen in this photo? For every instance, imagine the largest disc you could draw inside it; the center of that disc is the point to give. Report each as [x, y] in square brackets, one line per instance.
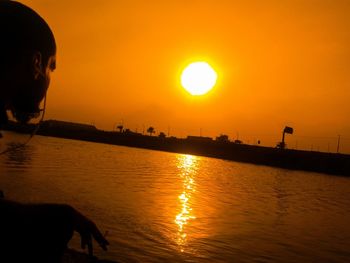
[151, 130]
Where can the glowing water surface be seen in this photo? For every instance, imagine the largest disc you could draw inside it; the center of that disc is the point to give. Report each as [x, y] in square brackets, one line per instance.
[166, 207]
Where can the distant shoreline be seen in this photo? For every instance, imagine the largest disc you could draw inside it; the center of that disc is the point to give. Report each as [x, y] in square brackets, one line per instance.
[329, 163]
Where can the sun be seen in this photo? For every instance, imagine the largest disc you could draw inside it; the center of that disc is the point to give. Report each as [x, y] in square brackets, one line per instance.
[198, 78]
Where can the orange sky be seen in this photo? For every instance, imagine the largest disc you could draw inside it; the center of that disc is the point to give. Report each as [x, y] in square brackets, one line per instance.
[278, 62]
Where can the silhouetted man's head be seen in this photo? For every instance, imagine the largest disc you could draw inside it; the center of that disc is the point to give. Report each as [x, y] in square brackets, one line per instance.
[27, 57]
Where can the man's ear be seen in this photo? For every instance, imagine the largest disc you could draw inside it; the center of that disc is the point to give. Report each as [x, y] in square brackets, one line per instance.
[37, 65]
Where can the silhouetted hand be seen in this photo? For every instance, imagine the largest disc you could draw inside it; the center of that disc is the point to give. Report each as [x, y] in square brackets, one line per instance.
[42, 231]
[87, 229]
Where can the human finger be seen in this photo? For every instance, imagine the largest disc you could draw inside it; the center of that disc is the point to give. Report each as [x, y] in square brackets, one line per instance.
[101, 240]
[82, 242]
[90, 248]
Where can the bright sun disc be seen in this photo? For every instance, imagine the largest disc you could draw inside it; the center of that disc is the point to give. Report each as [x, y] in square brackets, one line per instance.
[198, 78]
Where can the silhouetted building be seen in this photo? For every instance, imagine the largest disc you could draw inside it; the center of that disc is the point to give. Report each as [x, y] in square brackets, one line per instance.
[222, 138]
[162, 135]
[129, 132]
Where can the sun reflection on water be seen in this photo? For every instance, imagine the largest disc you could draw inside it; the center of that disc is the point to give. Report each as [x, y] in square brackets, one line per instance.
[187, 165]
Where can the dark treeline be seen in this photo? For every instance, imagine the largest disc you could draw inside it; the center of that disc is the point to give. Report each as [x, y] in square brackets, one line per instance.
[330, 163]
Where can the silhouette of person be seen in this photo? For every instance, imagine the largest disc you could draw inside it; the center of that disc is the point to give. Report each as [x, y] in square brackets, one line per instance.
[32, 232]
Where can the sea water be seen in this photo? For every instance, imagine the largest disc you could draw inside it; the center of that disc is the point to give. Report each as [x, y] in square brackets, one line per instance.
[168, 207]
